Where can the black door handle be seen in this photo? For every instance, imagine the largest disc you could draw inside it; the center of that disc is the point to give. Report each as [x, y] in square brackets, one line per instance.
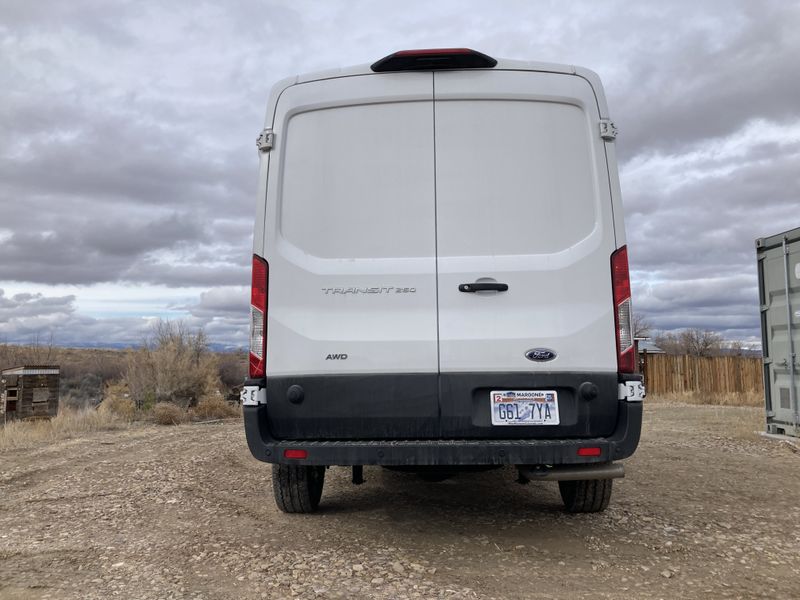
[483, 287]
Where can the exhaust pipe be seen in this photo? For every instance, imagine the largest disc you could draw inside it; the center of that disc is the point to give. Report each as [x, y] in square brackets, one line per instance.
[573, 472]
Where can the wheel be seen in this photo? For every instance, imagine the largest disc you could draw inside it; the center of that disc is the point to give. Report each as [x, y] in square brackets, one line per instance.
[297, 488]
[586, 495]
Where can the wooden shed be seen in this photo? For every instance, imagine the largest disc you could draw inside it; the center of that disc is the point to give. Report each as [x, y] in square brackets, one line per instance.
[29, 392]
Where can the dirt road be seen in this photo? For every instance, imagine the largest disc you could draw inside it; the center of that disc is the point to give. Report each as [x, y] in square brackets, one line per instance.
[185, 512]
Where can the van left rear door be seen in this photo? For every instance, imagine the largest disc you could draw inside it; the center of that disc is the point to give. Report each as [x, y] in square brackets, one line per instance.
[350, 240]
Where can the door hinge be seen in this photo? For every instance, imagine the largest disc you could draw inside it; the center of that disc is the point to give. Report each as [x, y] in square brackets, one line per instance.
[608, 131]
[265, 140]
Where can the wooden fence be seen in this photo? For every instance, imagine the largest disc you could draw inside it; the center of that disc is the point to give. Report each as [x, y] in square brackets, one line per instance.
[665, 373]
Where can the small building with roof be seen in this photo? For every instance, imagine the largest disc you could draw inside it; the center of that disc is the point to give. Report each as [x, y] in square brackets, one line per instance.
[29, 392]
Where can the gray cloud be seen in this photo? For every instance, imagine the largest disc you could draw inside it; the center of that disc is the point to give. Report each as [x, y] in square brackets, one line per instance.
[128, 155]
[187, 275]
[21, 307]
[224, 313]
[228, 302]
[709, 76]
[692, 224]
[25, 317]
[74, 250]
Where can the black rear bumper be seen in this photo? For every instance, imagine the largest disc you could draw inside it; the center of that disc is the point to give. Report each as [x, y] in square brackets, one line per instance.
[620, 444]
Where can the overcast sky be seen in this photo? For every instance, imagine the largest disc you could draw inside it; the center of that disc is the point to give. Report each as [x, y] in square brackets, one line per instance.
[128, 166]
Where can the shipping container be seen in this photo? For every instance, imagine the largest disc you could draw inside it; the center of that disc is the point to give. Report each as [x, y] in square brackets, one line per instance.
[779, 295]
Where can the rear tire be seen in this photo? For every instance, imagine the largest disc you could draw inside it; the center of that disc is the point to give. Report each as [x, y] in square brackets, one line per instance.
[586, 495]
[297, 488]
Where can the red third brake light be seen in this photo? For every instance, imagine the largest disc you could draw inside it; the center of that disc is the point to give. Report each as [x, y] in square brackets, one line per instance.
[433, 59]
[626, 359]
[258, 317]
[433, 52]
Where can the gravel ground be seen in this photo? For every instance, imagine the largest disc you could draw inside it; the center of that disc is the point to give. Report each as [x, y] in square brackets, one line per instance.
[708, 510]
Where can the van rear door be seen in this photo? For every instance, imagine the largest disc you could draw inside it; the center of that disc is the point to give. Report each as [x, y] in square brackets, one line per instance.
[522, 195]
[350, 240]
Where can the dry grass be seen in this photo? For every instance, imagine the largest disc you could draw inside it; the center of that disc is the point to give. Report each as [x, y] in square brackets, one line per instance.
[733, 416]
[735, 422]
[167, 413]
[730, 399]
[214, 407]
[68, 423]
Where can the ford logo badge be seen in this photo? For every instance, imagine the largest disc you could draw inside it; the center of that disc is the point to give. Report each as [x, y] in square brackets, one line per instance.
[540, 354]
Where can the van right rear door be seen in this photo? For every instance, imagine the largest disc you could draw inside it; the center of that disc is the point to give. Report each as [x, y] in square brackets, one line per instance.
[522, 199]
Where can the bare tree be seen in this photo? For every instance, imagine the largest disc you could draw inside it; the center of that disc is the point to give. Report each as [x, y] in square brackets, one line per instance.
[668, 342]
[701, 343]
[42, 353]
[695, 342]
[641, 326]
[35, 353]
[736, 347]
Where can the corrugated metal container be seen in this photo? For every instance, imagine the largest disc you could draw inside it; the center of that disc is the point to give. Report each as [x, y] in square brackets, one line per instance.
[779, 294]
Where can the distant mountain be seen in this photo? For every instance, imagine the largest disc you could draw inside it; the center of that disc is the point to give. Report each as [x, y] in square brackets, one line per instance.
[218, 347]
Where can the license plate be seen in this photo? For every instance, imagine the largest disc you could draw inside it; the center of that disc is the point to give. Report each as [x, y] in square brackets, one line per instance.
[524, 407]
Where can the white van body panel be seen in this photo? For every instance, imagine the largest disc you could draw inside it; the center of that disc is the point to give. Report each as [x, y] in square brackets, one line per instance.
[522, 198]
[350, 228]
[422, 224]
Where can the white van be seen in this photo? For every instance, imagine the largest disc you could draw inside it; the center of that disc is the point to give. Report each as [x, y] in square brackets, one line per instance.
[440, 277]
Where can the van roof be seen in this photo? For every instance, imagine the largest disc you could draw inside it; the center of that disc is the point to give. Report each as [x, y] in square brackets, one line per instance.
[503, 64]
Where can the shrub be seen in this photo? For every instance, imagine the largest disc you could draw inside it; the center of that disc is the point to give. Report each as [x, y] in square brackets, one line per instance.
[121, 407]
[167, 413]
[214, 407]
[117, 401]
[139, 377]
[81, 391]
[232, 368]
[174, 366]
[124, 408]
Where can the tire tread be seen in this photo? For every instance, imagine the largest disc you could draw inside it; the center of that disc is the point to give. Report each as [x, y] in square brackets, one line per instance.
[297, 488]
[586, 495]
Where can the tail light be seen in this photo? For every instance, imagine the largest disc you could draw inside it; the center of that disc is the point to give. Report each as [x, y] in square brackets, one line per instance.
[626, 361]
[259, 292]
